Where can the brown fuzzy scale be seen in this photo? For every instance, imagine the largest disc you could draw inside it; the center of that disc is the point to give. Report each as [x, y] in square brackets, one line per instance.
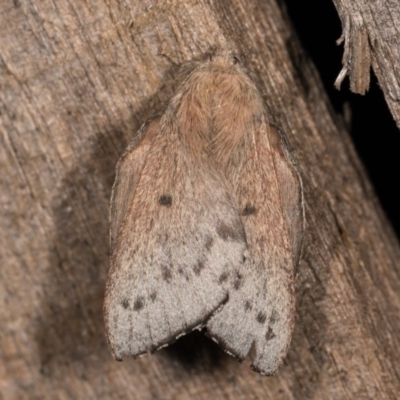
[215, 109]
[206, 224]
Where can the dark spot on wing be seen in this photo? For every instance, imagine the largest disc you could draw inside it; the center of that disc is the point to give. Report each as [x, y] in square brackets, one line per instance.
[237, 282]
[125, 303]
[247, 305]
[270, 334]
[153, 296]
[249, 209]
[162, 239]
[209, 243]
[223, 277]
[182, 271]
[165, 200]
[234, 232]
[261, 317]
[198, 267]
[166, 273]
[139, 303]
[274, 317]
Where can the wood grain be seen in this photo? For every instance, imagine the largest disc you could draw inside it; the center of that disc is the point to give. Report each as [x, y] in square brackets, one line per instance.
[77, 79]
[370, 35]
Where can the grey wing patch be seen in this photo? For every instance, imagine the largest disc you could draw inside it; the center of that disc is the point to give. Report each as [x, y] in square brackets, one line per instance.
[260, 310]
[174, 255]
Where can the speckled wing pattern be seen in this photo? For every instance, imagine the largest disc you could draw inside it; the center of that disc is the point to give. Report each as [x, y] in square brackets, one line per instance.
[206, 225]
[175, 252]
[260, 312]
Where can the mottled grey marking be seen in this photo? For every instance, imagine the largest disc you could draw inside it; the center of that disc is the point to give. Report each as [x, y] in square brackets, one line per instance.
[209, 243]
[270, 334]
[139, 303]
[153, 296]
[261, 317]
[183, 272]
[125, 303]
[166, 273]
[249, 209]
[162, 239]
[223, 277]
[247, 305]
[230, 232]
[274, 317]
[198, 267]
[165, 200]
[237, 282]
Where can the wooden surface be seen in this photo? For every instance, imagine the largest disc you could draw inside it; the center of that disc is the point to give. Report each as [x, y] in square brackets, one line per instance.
[371, 31]
[77, 79]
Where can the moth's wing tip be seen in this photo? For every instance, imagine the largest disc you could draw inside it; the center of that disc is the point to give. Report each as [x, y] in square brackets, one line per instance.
[116, 355]
[269, 356]
[266, 362]
[241, 341]
[119, 353]
[265, 367]
[264, 371]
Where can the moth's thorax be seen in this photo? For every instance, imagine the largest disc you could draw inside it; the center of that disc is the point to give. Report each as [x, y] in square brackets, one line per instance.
[216, 110]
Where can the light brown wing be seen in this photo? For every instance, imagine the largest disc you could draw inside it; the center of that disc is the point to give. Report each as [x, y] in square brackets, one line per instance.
[127, 176]
[260, 312]
[177, 247]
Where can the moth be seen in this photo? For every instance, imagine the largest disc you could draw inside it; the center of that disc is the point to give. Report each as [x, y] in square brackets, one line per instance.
[206, 224]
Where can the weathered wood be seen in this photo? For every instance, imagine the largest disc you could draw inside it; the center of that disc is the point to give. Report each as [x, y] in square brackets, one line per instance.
[371, 31]
[77, 79]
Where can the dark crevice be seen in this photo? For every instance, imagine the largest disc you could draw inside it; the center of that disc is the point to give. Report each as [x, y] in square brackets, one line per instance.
[372, 128]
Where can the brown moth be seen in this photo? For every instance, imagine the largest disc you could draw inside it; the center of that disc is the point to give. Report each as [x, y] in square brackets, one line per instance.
[206, 224]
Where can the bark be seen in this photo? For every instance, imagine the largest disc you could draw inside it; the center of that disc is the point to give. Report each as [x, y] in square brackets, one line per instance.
[371, 31]
[77, 80]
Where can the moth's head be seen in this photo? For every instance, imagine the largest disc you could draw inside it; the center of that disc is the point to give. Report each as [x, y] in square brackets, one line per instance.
[223, 58]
